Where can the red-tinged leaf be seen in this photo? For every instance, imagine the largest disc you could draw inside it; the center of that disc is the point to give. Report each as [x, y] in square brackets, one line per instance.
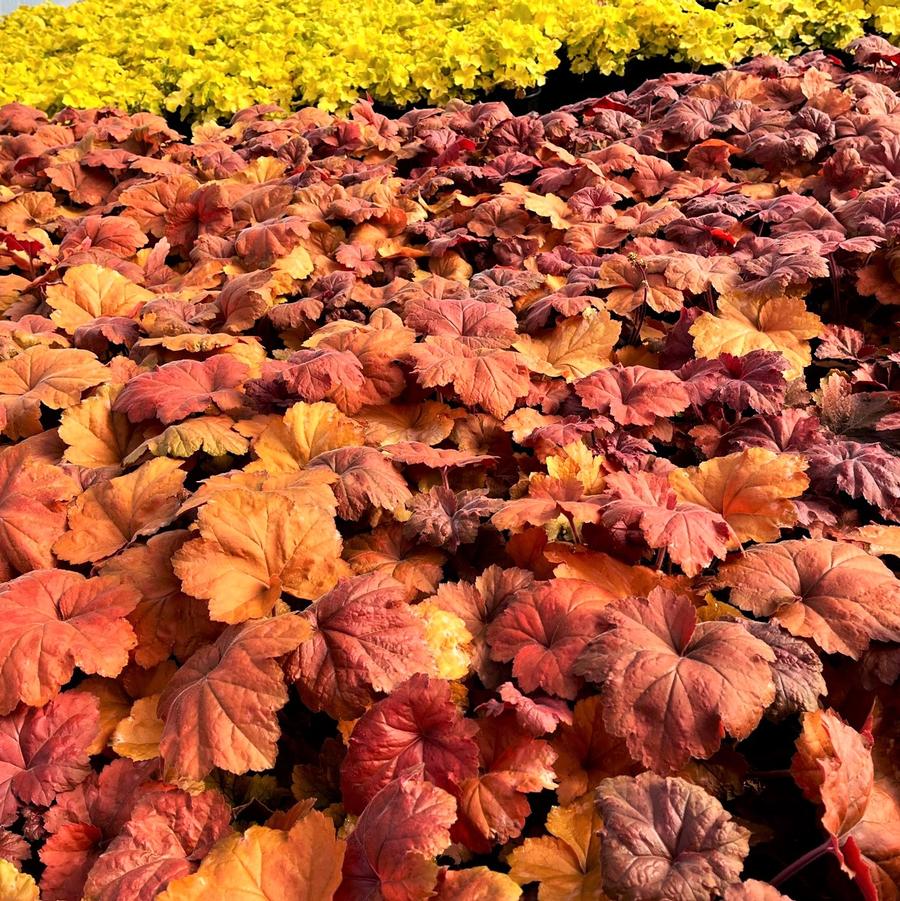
[633, 395]
[833, 767]
[31, 248]
[753, 890]
[607, 103]
[366, 480]
[378, 346]
[168, 832]
[792, 431]
[416, 726]
[543, 631]
[43, 751]
[389, 854]
[68, 857]
[874, 843]
[262, 244]
[454, 151]
[478, 605]
[33, 496]
[586, 752]
[484, 377]
[166, 621]
[755, 381]
[84, 820]
[447, 519]
[176, 390]
[537, 716]
[720, 235]
[830, 591]
[865, 471]
[364, 640]
[98, 335]
[692, 535]
[386, 550]
[415, 453]
[796, 670]
[770, 273]
[245, 299]
[119, 235]
[307, 375]
[52, 621]
[13, 848]
[500, 217]
[547, 500]
[854, 861]
[492, 806]
[666, 838]
[84, 184]
[471, 322]
[695, 119]
[219, 709]
[672, 687]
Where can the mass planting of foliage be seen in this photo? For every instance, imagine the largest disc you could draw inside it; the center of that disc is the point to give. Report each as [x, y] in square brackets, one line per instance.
[209, 58]
[456, 505]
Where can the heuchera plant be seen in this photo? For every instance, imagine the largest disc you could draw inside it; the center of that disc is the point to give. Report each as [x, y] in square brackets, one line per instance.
[437, 506]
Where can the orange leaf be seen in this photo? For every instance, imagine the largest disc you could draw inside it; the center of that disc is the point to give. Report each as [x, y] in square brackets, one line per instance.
[303, 864]
[33, 496]
[112, 513]
[574, 349]
[744, 323]
[166, 621]
[54, 377]
[96, 436]
[285, 444]
[255, 545]
[52, 621]
[586, 752]
[833, 767]
[750, 489]
[91, 291]
[566, 863]
[220, 708]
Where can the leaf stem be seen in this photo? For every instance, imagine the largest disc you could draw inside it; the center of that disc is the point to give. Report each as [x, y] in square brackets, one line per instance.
[576, 532]
[638, 321]
[837, 300]
[660, 558]
[792, 869]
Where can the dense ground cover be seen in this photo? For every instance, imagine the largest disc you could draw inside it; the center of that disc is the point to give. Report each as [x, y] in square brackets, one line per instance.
[440, 505]
[210, 58]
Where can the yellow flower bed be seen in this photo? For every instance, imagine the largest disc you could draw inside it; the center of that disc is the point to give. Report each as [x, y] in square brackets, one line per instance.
[207, 58]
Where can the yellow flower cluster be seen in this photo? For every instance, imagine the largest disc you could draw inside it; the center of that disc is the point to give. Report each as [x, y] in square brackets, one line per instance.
[208, 58]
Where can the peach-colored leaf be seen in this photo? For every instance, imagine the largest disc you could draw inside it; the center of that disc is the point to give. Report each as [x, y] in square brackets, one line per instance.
[220, 708]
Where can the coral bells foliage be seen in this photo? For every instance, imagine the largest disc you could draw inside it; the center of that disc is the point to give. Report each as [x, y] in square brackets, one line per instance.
[459, 505]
